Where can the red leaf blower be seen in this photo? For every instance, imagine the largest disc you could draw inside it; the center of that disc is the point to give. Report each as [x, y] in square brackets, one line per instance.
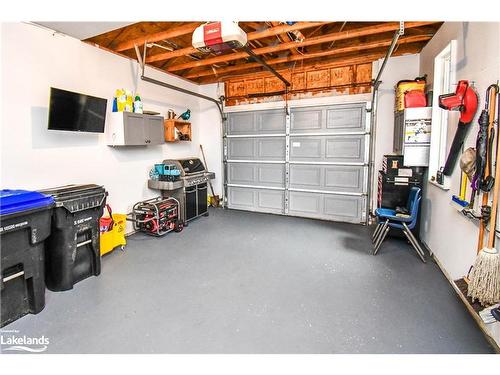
[465, 100]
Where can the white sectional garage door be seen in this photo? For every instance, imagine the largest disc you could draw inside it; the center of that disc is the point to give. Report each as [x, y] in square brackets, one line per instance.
[312, 163]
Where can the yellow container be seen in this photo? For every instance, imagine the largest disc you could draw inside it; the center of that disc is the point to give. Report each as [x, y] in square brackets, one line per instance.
[404, 87]
[121, 100]
[116, 236]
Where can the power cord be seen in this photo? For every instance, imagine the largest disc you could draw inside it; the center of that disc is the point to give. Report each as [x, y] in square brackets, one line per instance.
[486, 214]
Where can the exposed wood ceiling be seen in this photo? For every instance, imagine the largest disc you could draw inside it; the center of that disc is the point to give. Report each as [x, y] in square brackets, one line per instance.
[324, 44]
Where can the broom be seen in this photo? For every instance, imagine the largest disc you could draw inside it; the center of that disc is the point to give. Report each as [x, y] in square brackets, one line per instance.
[484, 284]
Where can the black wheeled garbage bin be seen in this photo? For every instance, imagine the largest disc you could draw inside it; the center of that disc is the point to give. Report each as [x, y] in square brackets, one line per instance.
[72, 252]
[24, 226]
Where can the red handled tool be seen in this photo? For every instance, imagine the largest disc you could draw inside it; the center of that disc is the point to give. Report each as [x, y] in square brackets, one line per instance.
[465, 100]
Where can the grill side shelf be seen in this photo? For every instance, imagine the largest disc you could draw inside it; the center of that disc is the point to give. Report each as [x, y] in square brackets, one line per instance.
[165, 185]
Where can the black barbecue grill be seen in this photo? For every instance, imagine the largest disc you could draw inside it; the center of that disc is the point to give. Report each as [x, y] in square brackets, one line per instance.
[190, 190]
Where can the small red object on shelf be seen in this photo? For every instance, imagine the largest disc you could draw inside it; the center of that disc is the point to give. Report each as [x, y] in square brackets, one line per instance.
[415, 98]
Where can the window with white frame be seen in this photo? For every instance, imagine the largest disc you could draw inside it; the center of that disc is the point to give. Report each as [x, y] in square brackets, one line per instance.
[444, 79]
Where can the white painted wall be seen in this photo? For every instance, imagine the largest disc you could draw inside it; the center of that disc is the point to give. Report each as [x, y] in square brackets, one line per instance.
[211, 133]
[396, 69]
[452, 237]
[32, 157]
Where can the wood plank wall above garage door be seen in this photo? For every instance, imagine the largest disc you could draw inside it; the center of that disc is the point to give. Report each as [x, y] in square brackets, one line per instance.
[306, 82]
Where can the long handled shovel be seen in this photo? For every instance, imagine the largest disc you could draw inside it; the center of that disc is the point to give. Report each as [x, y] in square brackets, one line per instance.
[484, 282]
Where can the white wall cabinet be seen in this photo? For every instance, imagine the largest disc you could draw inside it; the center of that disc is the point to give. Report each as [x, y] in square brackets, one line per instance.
[134, 129]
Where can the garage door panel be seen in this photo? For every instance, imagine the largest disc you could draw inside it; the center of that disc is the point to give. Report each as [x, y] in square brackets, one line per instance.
[349, 179]
[271, 122]
[344, 208]
[260, 200]
[267, 149]
[333, 178]
[305, 176]
[305, 203]
[269, 175]
[241, 173]
[331, 119]
[347, 119]
[306, 149]
[255, 123]
[241, 123]
[334, 207]
[271, 149]
[345, 148]
[241, 148]
[271, 200]
[335, 149]
[303, 120]
[240, 197]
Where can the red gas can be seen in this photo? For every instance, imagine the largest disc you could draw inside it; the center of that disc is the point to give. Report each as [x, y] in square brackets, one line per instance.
[415, 98]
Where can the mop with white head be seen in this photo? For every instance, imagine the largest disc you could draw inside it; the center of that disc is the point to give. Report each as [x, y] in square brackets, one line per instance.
[484, 284]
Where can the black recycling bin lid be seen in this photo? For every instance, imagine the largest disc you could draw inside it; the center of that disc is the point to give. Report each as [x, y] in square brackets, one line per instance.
[77, 197]
[18, 201]
[61, 193]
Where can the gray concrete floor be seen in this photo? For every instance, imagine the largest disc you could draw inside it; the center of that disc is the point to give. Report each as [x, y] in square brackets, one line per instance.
[239, 282]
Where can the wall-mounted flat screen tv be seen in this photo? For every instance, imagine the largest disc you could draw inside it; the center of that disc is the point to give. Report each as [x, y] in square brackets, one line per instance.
[72, 111]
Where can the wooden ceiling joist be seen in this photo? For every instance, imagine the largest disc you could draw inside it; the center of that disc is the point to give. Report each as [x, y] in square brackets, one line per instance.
[156, 37]
[255, 25]
[336, 51]
[272, 31]
[284, 37]
[348, 34]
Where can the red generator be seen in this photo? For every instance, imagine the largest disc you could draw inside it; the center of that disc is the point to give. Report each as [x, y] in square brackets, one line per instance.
[157, 216]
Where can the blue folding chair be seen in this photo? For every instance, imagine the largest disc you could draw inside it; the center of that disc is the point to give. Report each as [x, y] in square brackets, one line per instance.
[387, 218]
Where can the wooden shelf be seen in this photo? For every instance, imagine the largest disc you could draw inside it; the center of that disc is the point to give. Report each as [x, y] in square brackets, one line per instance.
[460, 287]
[471, 308]
[183, 127]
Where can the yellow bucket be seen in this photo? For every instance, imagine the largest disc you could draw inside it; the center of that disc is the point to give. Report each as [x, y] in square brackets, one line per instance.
[115, 237]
